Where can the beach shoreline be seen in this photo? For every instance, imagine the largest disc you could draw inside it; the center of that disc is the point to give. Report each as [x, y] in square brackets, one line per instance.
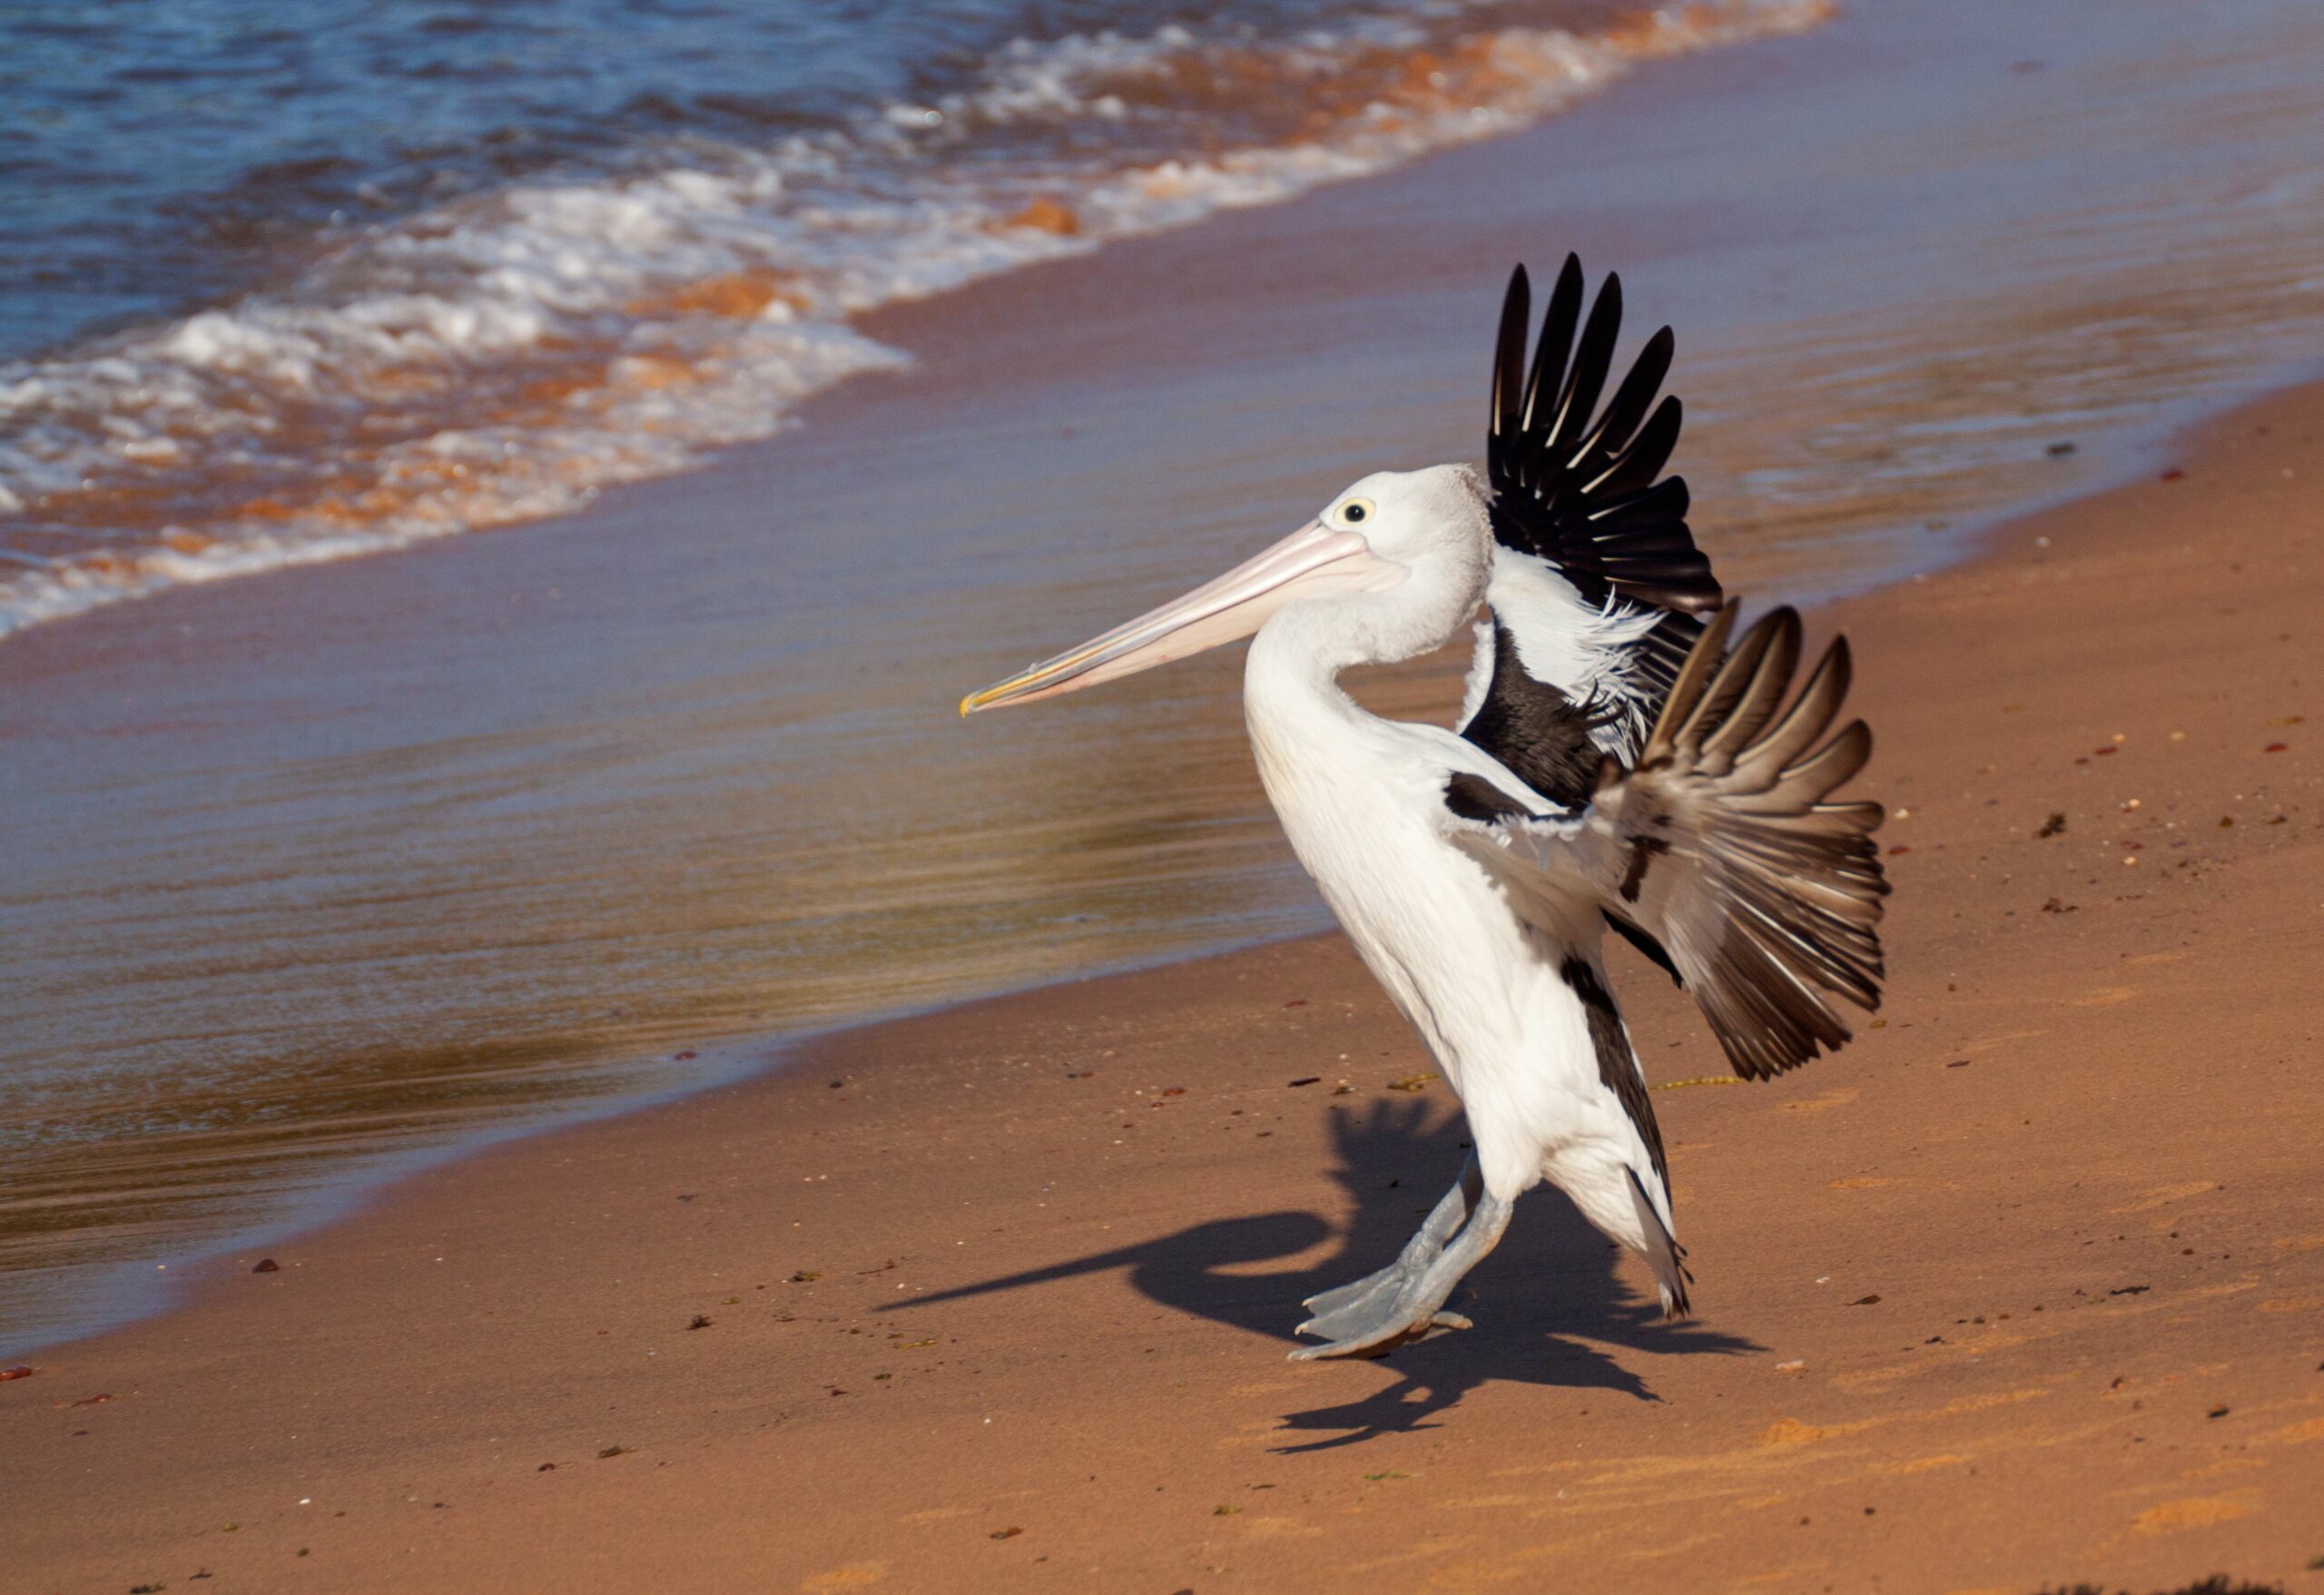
[320, 874]
[128, 1293]
[995, 1297]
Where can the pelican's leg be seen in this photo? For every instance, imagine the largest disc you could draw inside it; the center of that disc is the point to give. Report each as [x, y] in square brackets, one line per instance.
[1415, 1311]
[1346, 1305]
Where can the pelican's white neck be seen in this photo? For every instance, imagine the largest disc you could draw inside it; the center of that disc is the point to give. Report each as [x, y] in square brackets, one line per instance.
[1316, 639]
[1290, 681]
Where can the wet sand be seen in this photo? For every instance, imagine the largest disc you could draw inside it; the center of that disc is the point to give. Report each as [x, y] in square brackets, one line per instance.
[2025, 1286]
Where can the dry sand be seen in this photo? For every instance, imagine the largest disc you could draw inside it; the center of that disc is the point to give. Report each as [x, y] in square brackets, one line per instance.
[2026, 1285]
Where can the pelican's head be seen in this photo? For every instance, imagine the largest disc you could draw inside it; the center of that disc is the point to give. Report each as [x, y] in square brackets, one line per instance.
[1395, 565]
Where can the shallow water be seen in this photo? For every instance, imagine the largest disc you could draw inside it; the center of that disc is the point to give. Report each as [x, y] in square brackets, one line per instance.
[309, 872]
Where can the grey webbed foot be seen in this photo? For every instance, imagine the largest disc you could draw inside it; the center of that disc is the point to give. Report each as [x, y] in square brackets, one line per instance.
[1338, 1312]
[1380, 1320]
[1347, 1303]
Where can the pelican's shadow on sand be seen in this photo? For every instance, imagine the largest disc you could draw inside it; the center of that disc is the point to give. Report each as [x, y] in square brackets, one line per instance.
[1540, 1301]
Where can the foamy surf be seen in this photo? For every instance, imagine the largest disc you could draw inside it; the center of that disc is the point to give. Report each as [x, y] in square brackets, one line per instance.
[503, 356]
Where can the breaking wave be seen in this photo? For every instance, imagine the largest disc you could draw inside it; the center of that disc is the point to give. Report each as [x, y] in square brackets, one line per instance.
[503, 355]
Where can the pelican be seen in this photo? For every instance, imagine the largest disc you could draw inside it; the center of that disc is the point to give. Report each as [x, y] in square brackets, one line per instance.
[1617, 766]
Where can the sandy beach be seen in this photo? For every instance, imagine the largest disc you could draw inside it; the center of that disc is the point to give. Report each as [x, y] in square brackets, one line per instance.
[2023, 1287]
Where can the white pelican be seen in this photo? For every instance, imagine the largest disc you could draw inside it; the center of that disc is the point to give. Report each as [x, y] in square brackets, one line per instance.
[1476, 874]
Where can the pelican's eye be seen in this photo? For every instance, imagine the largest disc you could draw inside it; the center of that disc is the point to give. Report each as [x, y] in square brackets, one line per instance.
[1353, 513]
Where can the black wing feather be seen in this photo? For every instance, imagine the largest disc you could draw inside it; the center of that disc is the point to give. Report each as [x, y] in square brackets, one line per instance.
[1556, 342]
[1593, 363]
[1538, 733]
[1633, 399]
[1576, 493]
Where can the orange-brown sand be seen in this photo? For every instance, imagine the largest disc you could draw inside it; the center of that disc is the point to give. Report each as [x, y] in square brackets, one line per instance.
[2027, 1285]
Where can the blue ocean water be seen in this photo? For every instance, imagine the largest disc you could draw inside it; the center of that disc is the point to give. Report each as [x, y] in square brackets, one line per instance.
[283, 287]
[157, 154]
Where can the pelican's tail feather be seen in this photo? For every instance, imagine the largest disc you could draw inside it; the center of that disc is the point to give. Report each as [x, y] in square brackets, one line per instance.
[1663, 1252]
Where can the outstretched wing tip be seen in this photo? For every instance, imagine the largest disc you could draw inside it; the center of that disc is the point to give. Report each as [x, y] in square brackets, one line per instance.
[1580, 486]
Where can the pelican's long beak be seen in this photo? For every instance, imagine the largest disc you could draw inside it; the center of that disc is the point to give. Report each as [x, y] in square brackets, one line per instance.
[1314, 560]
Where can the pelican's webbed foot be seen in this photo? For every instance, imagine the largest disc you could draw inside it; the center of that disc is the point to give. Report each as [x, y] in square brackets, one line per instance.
[1343, 1307]
[1400, 1303]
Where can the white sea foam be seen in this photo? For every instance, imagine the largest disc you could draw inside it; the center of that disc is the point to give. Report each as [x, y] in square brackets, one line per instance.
[504, 356]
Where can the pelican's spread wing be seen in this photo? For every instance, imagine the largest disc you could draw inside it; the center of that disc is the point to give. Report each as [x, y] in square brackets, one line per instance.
[1721, 846]
[1596, 580]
